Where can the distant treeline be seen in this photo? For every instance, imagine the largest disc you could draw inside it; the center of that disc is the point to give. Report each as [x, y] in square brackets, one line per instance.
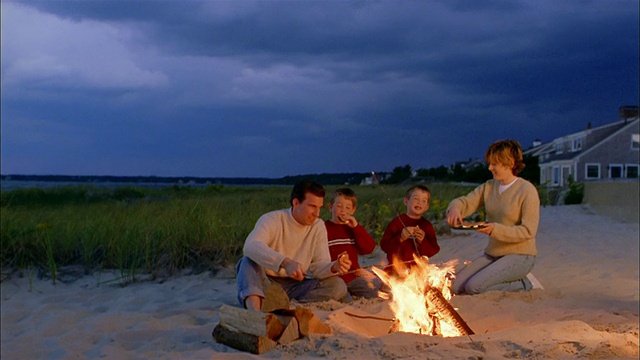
[328, 179]
[459, 172]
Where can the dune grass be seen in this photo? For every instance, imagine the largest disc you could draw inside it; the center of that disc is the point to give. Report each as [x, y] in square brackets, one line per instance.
[161, 231]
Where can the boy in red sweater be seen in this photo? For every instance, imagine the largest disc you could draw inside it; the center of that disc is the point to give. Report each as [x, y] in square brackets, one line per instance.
[410, 233]
[348, 238]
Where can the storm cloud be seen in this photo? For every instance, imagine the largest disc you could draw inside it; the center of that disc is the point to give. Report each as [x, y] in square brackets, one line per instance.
[276, 88]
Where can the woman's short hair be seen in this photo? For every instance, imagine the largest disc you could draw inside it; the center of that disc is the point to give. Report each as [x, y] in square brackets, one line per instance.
[506, 152]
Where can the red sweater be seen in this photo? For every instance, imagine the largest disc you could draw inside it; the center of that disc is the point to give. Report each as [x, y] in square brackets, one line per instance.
[392, 246]
[355, 241]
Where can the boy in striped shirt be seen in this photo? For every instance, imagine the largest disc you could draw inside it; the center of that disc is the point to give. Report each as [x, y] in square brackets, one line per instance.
[348, 238]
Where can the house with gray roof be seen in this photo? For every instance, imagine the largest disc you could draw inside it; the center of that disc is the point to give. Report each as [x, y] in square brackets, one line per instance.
[606, 153]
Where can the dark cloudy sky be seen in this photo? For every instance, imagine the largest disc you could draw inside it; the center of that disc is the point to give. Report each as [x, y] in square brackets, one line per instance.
[276, 88]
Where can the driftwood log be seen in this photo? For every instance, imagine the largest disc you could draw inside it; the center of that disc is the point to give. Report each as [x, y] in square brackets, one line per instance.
[258, 332]
[241, 341]
[307, 320]
[250, 322]
[291, 331]
[275, 298]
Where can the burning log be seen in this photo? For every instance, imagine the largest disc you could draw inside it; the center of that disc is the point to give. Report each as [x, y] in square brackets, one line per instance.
[428, 285]
[441, 309]
[434, 296]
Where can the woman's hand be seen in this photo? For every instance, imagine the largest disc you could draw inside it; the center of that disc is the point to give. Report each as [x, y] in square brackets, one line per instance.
[453, 217]
[486, 229]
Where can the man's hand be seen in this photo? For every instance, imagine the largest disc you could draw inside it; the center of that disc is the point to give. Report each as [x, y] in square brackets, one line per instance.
[342, 265]
[293, 269]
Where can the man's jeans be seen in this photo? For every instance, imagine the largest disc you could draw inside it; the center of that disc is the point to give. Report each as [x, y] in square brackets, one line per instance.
[252, 280]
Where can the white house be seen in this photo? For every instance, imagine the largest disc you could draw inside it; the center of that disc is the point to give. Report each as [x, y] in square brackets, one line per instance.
[605, 153]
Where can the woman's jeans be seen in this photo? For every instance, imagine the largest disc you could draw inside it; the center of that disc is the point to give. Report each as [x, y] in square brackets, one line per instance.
[252, 280]
[486, 273]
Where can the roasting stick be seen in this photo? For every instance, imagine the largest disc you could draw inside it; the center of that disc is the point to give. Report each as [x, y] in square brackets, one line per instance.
[376, 180]
[364, 268]
[368, 317]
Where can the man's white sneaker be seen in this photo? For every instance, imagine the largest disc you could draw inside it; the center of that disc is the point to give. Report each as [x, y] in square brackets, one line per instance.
[535, 282]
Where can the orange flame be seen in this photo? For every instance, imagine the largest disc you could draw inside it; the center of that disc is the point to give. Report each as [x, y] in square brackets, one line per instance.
[410, 287]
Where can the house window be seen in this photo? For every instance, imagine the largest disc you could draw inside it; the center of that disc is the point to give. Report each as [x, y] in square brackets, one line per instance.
[635, 141]
[632, 171]
[566, 173]
[592, 171]
[556, 175]
[546, 175]
[577, 144]
[559, 148]
[615, 171]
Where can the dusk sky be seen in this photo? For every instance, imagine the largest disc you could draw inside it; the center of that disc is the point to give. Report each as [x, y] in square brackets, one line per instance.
[277, 88]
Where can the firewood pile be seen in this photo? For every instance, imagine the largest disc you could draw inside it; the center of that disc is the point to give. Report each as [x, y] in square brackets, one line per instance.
[260, 331]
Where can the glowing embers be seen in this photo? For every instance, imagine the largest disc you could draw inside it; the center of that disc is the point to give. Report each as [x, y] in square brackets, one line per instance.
[419, 299]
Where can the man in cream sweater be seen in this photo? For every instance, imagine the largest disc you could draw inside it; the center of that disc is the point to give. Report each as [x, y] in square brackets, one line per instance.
[289, 247]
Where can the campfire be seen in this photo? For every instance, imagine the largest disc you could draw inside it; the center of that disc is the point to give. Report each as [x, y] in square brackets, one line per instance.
[420, 296]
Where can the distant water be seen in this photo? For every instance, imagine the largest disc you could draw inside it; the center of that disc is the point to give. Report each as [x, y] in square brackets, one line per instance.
[8, 185]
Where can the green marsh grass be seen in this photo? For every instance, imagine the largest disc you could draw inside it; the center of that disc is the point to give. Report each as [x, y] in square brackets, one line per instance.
[162, 231]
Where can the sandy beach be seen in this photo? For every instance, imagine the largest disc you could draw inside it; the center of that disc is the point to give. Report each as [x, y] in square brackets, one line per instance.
[587, 263]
